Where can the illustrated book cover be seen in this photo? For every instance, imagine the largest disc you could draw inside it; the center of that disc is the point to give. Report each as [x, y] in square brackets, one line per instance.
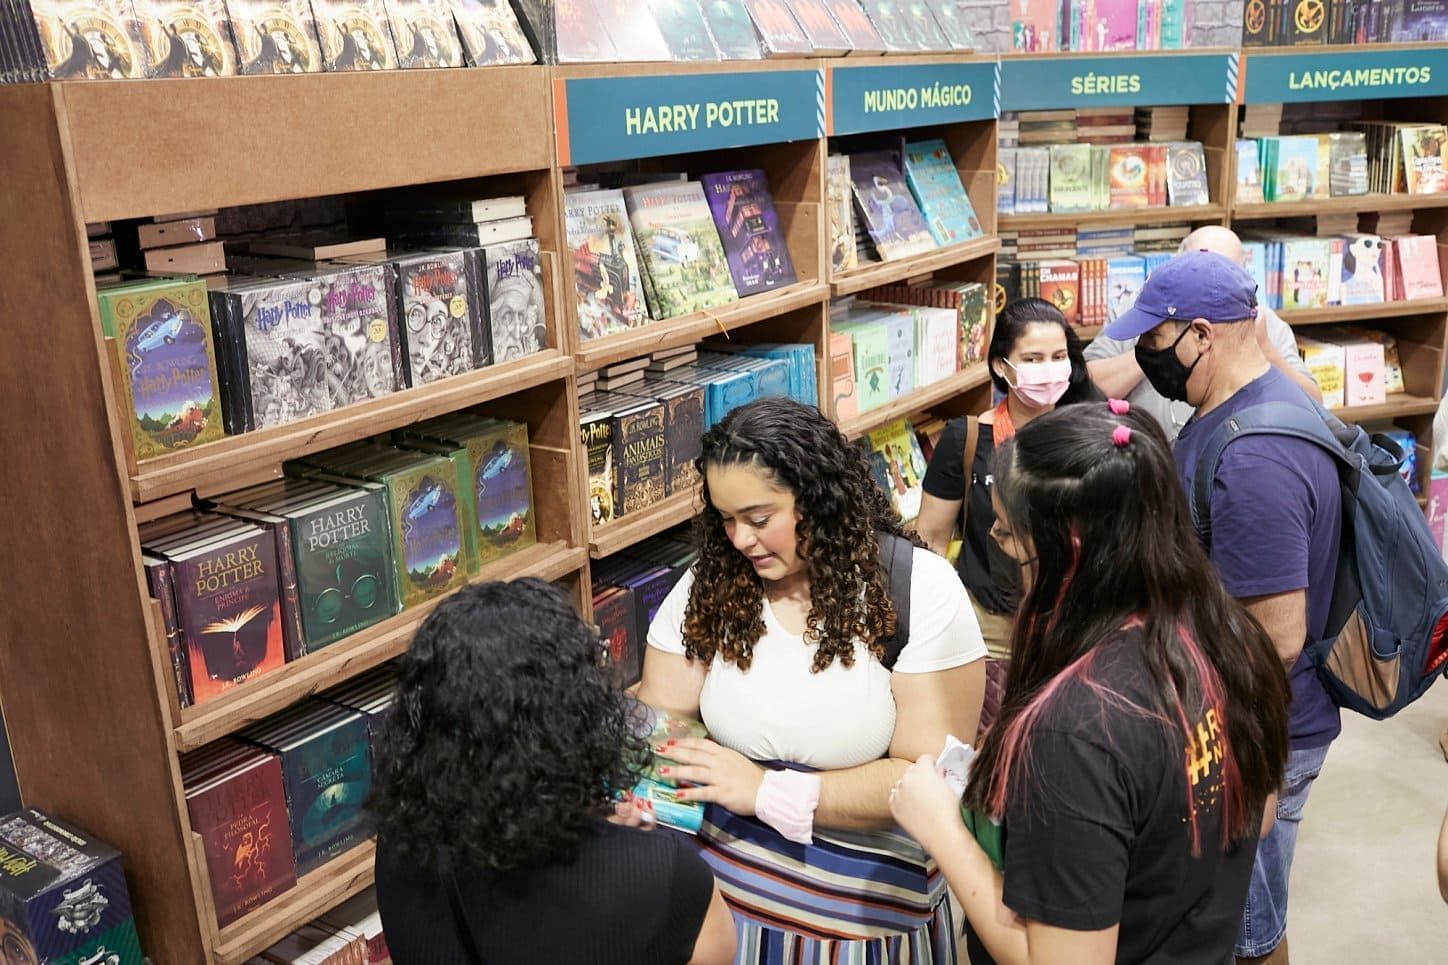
[890, 214]
[517, 321]
[355, 35]
[933, 179]
[186, 38]
[491, 33]
[605, 269]
[780, 33]
[680, 245]
[275, 36]
[425, 33]
[748, 225]
[90, 39]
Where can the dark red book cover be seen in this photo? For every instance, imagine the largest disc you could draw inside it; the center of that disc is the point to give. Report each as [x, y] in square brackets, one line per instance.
[228, 604]
[614, 610]
[241, 816]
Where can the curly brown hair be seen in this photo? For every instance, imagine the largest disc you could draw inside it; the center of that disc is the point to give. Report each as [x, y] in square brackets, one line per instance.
[841, 510]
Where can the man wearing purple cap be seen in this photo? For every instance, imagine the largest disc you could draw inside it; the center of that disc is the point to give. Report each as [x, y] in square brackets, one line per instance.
[1275, 521]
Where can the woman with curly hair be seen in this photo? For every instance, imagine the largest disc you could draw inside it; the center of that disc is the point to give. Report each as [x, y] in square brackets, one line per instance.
[493, 804]
[780, 640]
[1036, 364]
[1144, 728]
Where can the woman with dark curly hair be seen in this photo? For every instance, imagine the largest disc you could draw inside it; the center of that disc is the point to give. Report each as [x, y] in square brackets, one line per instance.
[493, 805]
[780, 640]
[1036, 364]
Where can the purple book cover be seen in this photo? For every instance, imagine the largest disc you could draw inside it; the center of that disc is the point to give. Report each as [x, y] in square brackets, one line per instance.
[1420, 20]
[749, 227]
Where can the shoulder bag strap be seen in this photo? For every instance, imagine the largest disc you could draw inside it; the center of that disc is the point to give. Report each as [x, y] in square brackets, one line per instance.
[455, 903]
[972, 441]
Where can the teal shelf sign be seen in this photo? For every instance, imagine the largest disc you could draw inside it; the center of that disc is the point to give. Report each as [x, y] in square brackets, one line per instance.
[1127, 80]
[909, 95]
[618, 118]
[1361, 75]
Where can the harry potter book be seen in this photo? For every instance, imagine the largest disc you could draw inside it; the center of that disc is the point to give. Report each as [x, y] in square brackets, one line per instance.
[681, 247]
[355, 35]
[581, 34]
[275, 36]
[595, 432]
[90, 39]
[683, 430]
[632, 29]
[237, 804]
[228, 606]
[516, 317]
[372, 694]
[749, 228]
[841, 214]
[893, 24]
[491, 33]
[341, 551]
[498, 476]
[890, 214]
[327, 772]
[682, 24]
[732, 29]
[824, 35]
[162, 332]
[186, 38]
[605, 272]
[424, 33]
[782, 35]
[615, 614]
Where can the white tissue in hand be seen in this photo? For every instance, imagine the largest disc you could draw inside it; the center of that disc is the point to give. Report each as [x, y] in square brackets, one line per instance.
[953, 764]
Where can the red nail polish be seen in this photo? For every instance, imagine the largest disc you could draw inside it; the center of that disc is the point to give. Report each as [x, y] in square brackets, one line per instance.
[665, 770]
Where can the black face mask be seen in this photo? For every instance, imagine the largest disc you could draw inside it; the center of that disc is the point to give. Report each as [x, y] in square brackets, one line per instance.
[1166, 373]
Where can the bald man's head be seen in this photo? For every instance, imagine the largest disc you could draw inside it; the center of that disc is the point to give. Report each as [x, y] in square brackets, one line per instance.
[1216, 239]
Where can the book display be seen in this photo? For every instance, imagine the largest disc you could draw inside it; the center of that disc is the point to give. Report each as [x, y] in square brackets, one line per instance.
[307, 394]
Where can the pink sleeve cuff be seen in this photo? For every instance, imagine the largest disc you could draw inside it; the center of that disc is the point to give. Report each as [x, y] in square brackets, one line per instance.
[786, 802]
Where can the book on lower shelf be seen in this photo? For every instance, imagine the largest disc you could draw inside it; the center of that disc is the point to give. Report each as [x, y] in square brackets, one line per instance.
[897, 465]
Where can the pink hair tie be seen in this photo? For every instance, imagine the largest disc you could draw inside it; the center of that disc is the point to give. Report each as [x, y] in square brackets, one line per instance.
[1121, 435]
[1118, 406]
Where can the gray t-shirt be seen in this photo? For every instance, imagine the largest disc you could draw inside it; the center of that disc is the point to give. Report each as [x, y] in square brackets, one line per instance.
[1174, 415]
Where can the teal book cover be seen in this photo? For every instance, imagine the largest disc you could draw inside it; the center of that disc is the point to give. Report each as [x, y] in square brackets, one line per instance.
[343, 551]
[934, 181]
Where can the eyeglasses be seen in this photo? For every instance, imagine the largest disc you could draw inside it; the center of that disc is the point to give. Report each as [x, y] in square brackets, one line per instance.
[363, 592]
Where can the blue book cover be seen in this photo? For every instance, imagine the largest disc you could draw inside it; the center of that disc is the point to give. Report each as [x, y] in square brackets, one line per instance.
[934, 181]
[1254, 259]
[1295, 168]
[900, 339]
[1124, 278]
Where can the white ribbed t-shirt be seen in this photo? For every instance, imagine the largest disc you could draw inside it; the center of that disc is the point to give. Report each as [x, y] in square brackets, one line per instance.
[840, 717]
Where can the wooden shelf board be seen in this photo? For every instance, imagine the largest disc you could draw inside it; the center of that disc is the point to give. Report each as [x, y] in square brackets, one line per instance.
[272, 138]
[622, 533]
[1364, 313]
[974, 375]
[885, 272]
[1356, 203]
[278, 689]
[316, 893]
[1397, 405]
[236, 460]
[1111, 218]
[688, 329]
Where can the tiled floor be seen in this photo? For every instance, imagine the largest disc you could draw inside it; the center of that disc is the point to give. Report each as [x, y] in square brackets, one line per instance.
[1363, 885]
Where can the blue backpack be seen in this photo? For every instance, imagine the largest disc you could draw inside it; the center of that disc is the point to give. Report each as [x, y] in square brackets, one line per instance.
[1386, 638]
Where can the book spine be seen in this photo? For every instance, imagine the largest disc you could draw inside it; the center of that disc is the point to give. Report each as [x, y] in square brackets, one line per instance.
[162, 586]
[295, 639]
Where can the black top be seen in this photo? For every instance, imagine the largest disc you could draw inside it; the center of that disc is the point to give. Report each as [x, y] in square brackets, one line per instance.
[1102, 835]
[629, 898]
[992, 578]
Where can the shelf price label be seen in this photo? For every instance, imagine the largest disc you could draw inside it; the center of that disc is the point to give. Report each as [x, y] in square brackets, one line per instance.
[618, 118]
[887, 98]
[1360, 75]
[1128, 80]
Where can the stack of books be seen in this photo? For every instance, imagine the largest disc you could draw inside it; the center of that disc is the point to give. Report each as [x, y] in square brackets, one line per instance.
[1163, 123]
[628, 588]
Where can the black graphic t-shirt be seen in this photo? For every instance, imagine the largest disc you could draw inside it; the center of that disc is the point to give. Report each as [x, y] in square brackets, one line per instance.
[1102, 835]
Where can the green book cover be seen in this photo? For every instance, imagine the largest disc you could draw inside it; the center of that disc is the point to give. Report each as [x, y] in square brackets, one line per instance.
[169, 386]
[871, 344]
[1071, 177]
[342, 545]
[681, 249]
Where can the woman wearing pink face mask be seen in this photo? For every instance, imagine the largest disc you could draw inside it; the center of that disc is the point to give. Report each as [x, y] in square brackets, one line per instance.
[1036, 364]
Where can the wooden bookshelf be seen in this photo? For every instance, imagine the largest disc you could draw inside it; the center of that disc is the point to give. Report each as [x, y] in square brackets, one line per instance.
[235, 461]
[1336, 314]
[1263, 210]
[688, 329]
[1115, 218]
[916, 266]
[1087, 332]
[622, 533]
[1397, 406]
[973, 376]
[262, 696]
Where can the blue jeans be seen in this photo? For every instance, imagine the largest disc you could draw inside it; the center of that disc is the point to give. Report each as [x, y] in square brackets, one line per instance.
[1264, 919]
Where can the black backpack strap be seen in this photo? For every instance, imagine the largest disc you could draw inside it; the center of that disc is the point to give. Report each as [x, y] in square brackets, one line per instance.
[1269, 418]
[897, 557]
[455, 903]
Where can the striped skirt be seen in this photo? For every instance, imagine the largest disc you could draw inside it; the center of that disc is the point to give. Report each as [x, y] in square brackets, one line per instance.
[851, 898]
